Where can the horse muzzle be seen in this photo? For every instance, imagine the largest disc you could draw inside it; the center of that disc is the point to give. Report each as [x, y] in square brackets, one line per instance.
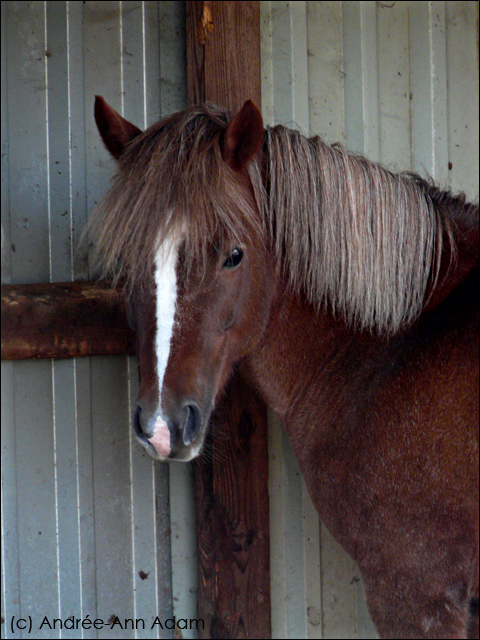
[178, 436]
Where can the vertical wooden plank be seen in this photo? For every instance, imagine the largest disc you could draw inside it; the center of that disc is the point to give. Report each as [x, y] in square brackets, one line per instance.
[232, 54]
[266, 56]
[225, 68]
[232, 520]
[232, 495]
[276, 487]
[198, 26]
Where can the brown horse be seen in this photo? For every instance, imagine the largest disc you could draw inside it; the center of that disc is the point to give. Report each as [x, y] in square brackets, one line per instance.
[348, 296]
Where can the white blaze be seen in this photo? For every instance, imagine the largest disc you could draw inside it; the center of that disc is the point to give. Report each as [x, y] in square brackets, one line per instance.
[166, 295]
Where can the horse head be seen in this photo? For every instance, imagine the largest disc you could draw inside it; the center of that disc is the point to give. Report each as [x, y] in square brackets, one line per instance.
[195, 315]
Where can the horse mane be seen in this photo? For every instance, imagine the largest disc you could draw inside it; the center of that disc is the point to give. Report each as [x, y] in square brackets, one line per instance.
[345, 231]
[352, 234]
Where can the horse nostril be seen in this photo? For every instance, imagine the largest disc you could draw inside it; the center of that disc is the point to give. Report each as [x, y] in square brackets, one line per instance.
[137, 423]
[192, 424]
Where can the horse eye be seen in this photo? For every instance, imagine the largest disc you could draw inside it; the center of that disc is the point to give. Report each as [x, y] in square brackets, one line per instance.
[233, 259]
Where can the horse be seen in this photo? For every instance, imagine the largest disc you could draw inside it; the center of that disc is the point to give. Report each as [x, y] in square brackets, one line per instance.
[347, 295]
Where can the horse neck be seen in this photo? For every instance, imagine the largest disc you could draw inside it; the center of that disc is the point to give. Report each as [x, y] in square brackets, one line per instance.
[302, 351]
[312, 368]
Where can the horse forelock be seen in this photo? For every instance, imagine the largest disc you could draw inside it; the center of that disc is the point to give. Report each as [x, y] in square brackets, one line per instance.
[172, 182]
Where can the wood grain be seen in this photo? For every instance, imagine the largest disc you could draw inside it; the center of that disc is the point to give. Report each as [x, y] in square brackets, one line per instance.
[223, 60]
[226, 68]
[63, 320]
[232, 519]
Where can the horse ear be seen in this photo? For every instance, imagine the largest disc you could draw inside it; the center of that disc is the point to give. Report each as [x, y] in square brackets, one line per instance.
[243, 137]
[116, 132]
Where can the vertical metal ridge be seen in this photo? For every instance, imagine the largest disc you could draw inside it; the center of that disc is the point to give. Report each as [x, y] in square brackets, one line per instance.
[47, 141]
[144, 67]
[361, 78]
[69, 119]
[429, 90]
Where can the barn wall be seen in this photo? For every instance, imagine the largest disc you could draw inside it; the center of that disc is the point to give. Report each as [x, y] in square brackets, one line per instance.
[398, 82]
[86, 516]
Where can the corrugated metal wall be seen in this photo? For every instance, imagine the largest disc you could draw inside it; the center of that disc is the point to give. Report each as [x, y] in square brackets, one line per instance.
[89, 525]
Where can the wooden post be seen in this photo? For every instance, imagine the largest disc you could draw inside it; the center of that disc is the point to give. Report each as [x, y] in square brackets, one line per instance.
[223, 59]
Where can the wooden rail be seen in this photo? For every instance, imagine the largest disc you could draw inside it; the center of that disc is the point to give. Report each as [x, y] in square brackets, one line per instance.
[64, 320]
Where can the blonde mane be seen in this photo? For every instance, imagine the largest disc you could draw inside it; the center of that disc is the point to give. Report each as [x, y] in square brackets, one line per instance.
[345, 231]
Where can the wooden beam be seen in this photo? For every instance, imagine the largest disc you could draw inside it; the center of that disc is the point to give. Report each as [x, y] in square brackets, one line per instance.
[223, 60]
[223, 53]
[64, 320]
